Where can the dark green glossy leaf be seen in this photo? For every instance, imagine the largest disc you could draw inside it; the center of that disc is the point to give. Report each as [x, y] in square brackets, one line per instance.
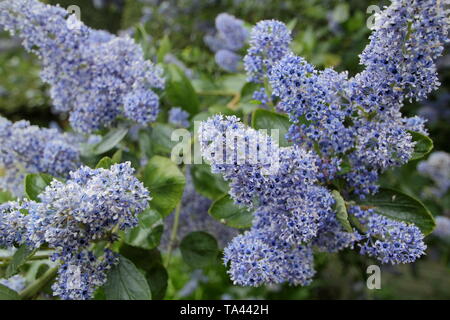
[199, 249]
[399, 206]
[207, 183]
[166, 184]
[36, 183]
[110, 140]
[423, 146]
[341, 211]
[265, 119]
[8, 294]
[226, 211]
[179, 90]
[126, 282]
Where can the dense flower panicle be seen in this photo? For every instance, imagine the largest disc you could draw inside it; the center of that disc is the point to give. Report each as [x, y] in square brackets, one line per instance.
[400, 59]
[91, 206]
[442, 227]
[256, 260]
[388, 240]
[437, 168]
[87, 207]
[12, 224]
[16, 283]
[269, 42]
[25, 148]
[92, 74]
[194, 217]
[261, 96]
[227, 60]
[80, 275]
[231, 31]
[178, 117]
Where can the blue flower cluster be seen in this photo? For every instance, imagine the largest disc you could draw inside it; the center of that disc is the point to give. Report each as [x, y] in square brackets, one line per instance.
[25, 148]
[437, 168]
[358, 119]
[93, 75]
[231, 36]
[91, 206]
[291, 208]
[178, 117]
[269, 42]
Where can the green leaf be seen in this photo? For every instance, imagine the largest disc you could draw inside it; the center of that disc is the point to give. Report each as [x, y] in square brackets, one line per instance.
[117, 157]
[206, 183]
[35, 184]
[166, 184]
[265, 119]
[147, 234]
[423, 146]
[8, 294]
[5, 196]
[110, 140]
[104, 163]
[157, 278]
[164, 48]
[126, 282]
[399, 206]
[161, 139]
[180, 92]
[341, 211]
[149, 261]
[199, 249]
[19, 258]
[227, 212]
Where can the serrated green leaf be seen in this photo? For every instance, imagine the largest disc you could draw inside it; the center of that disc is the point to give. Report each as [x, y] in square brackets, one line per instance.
[199, 249]
[341, 211]
[265, 119]
[165, 182]
[110, 140]
[227, 212]
[35, 184]
[399, 206]
[126, 282]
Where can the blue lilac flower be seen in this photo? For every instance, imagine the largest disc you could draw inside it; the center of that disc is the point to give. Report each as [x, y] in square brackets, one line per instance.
[25, 148]
[442, 227]
[231, 34]
[90, 72]
[388, 240]
[227, 60]
[256, 260]
[91, 206]
[12, 224]
[16, 283]
[269, 42]
[179, 117]
[232, 31]
[261, 96]
[437, 168]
